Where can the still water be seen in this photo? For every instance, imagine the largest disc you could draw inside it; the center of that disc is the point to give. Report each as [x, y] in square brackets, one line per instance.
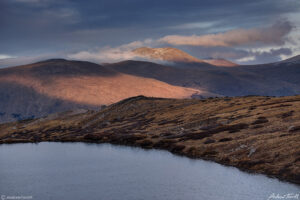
[71, 171]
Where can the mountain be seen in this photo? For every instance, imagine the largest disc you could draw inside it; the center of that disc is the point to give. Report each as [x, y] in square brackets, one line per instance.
[177, 56]
[166, 54]
[56, 85]
[258, 134]
[279, 79]
[221, 62]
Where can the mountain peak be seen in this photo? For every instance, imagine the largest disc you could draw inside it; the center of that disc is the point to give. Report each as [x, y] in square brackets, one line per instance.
[221, 62]
[166, 54]
[176, 55]
[54, 60]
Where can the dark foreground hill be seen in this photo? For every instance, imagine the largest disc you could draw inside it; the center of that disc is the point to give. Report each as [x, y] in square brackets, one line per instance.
[258, 134]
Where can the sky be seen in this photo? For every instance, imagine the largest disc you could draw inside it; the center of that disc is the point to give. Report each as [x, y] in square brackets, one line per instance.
[246, 32]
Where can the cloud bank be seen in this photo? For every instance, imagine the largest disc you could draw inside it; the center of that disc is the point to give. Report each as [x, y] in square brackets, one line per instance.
[3, 56]
[273, 35]
[110, 54]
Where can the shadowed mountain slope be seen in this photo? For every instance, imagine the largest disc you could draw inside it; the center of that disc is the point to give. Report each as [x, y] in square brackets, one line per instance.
[275, 79]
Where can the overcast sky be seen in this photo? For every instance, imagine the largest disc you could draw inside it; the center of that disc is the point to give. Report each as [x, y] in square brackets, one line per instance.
[256, 31]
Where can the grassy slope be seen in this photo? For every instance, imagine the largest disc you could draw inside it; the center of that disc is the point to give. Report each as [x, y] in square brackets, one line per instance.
[259, 134]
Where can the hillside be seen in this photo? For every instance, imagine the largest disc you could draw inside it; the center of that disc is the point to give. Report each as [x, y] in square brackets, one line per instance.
[57, 85]
[258, 134]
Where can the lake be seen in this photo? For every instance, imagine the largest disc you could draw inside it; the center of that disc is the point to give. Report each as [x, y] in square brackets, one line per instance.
[70, 171]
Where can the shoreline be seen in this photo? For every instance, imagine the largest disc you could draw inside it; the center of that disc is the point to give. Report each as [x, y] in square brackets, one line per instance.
[255, 134]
